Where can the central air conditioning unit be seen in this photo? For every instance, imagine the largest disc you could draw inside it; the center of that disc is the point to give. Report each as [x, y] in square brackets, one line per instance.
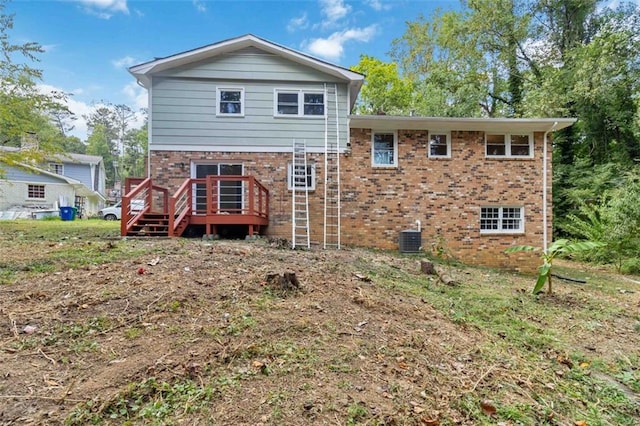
[410, 241]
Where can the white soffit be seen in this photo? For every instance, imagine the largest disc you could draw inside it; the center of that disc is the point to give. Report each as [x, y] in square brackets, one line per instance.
[499, 125]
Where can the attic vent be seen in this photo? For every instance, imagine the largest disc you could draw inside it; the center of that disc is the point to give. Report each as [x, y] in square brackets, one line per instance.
[410, 241]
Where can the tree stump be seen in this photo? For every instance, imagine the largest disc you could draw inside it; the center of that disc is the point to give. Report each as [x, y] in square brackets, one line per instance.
[427, 267]
[284, 284]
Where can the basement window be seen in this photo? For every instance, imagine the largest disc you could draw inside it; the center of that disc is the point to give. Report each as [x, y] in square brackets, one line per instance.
[299, 181]
[35, 191]
[508, 145]
[501, 220]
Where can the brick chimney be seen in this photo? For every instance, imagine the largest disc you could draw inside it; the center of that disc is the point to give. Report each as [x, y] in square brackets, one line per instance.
[29, 141]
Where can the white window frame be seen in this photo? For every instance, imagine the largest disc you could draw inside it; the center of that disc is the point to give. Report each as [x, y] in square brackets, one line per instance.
[219, 91]
[507, 143]
[502, 220]
[57, 168]
[36, 189]
[311, 170]
[300, 99]
[395, 149]
[448, 140]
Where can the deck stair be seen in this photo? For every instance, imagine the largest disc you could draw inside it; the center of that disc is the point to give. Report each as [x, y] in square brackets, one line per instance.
[300, 198]
[150, 225]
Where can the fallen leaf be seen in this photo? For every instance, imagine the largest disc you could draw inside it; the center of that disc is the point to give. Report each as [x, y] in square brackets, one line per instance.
[488, 407]
[580, 423]
[584, 364]
[429, 422]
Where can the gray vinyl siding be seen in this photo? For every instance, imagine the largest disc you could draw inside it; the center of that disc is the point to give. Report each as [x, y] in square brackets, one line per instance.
[79, 172]
[20, 175]
[246, 65]
[183, 105]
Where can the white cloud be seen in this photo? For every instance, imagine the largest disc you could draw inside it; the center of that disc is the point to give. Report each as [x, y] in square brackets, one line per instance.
[333, 11]
[104, 9]
[136, 94]
[299, 23]
[378, 5]
[332, 47]
[124, 62]
[200, 6]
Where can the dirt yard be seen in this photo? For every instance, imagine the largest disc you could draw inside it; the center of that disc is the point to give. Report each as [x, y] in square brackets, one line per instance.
[194, 332]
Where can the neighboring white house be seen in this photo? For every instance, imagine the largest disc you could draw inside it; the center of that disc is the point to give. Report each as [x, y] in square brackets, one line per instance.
[74, 180]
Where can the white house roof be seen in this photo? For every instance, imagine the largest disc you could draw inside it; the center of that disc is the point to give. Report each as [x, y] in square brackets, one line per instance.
[503, 125]
[143, 72]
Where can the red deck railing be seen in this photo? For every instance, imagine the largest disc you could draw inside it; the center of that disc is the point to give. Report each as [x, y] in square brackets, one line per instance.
[145, 197]
[210, 201]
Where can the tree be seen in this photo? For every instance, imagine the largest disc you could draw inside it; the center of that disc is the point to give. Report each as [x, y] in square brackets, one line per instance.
[384, 91]
[135, 152]
[22, 106]
[99, 143]
[469, 61]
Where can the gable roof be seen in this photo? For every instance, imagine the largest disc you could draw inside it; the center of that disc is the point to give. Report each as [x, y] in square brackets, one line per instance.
[144, 71]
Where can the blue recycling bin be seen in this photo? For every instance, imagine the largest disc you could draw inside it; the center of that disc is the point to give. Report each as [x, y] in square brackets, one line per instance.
[67, 213]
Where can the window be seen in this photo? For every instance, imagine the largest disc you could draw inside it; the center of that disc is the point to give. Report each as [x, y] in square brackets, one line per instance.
[508, 145]
[230, 101]
[384, 149]
[299, 103]
[299, 182]
[56, 168]
[35, 191]
[440, 145]
[495, 220]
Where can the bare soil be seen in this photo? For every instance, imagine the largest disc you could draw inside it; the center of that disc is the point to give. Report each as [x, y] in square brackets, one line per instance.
[339, 348]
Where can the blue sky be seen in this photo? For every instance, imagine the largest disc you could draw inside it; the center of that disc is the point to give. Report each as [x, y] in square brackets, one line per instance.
[89, 44]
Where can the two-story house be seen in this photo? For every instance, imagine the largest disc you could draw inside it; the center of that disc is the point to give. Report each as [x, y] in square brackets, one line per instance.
[74, 180]
[251, 134]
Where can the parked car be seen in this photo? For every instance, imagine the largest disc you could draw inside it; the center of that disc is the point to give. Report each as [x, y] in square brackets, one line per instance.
[115, 212]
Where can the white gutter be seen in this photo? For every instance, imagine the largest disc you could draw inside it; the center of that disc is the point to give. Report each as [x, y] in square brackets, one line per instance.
[545, 236]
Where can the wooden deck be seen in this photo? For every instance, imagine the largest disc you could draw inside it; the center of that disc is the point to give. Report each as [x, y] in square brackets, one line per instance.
[212, 201]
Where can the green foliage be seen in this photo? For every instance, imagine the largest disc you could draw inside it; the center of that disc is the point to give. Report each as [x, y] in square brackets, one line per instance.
[558, 247]
[22, 105]
[384, 91]
[150, 399]
[613, 220]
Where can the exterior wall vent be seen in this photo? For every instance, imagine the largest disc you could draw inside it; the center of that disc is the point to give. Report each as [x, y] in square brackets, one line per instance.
[410, 241]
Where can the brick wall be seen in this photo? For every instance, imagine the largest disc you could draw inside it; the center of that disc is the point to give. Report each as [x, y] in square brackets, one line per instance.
[445, 194]
[378, 203]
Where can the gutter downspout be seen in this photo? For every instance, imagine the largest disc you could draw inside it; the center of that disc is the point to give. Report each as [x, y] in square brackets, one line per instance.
[545, 236]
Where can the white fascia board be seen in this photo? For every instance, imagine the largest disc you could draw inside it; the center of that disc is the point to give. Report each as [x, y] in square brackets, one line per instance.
[142, 71]
[238, 148]
[500, 125]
